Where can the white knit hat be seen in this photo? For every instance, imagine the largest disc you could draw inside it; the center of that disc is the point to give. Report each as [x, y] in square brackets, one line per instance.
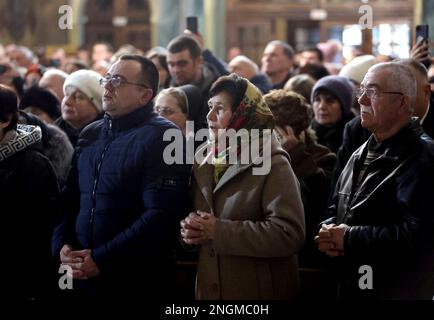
[87, 81]
[357, 68]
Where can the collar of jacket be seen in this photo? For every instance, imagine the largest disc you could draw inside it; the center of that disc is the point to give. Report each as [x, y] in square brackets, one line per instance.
[398, 145]
[203, 172]
[130, 120]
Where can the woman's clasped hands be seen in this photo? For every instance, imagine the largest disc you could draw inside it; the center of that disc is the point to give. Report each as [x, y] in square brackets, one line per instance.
[198, 227]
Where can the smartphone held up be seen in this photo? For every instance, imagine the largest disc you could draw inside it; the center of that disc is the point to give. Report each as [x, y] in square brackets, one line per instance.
[422, 32]
[192, 24]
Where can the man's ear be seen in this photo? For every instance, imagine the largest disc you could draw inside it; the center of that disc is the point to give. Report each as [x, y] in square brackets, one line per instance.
[199, 60]
[146, 96]
[405, 103]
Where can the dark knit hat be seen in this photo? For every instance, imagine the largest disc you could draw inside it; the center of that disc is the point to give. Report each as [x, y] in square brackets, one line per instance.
[42, 99]
[340, 87]
[289, 109]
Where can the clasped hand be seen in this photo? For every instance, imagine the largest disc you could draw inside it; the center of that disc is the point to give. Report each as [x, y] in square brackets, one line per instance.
[80, 261]
[198, 227]
[330, 239]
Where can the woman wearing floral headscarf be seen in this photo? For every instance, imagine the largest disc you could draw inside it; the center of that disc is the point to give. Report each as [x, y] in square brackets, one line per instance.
[250, 226]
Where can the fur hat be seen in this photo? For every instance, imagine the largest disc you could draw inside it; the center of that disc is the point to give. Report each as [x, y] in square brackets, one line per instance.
[87, 81]
[340, 87]
[357, 68]
[41, 99]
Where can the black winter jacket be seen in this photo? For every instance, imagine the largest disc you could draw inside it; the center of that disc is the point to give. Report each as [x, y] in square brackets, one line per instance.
[391, 215]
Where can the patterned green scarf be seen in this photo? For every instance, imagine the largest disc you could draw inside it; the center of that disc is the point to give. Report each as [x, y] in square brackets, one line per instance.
[251, 113]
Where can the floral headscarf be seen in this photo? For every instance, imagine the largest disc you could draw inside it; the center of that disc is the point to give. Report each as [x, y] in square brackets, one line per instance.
[251, 113]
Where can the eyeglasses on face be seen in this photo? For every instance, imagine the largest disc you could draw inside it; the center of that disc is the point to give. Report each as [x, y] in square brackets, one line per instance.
[373, 93]
[164, 111]
[117, 81]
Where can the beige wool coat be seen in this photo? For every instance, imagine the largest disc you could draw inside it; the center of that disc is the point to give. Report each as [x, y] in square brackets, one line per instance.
[259, 230]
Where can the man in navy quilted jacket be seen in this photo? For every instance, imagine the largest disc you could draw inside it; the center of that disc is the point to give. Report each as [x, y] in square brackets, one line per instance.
[122, 202]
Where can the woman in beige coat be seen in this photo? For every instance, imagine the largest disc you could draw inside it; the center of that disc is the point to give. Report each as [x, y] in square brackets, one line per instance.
[249, 223]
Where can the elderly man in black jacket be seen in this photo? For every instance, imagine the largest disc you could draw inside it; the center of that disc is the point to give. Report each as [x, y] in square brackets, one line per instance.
[382, 221]
[355, 134]
[122, 202]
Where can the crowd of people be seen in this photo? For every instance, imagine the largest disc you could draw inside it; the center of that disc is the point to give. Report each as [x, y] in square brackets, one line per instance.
[85, 184]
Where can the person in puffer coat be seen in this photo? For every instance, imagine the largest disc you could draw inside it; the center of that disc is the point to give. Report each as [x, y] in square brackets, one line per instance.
[122, 202]
[28, 193]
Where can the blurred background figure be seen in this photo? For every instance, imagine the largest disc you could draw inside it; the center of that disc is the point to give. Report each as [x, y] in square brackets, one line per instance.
[158, 55]
[172, 104]
[41, 103]
[102, 51]
[278, 63]
[232, 53]
[21, 56]
[332, 98]
[332, 50]
[355, 71]
[186, 66]
[179, 104]
[125, 49]
[101, 67]
[9, 76]
[53, 80]
[301, 84]
[82, 103]
[75, 65]
[33, 75]
[311, 55]
[316, 71]
[312, 163]
[247, 68]
[83, 54]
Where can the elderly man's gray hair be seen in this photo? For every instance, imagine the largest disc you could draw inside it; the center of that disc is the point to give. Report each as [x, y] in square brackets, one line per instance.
[400, 79]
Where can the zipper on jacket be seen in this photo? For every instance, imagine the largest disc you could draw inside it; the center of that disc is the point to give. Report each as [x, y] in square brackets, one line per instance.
[95, 184]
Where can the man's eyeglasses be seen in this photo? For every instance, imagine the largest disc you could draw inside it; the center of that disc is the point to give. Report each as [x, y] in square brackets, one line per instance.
[373, 93]
[117, 82]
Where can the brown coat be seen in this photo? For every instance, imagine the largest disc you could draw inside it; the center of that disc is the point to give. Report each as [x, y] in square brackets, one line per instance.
[259, 230]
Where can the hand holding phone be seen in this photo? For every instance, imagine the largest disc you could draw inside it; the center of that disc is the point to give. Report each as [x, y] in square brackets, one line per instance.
[422, 32]
[420, 50]
[192, 24]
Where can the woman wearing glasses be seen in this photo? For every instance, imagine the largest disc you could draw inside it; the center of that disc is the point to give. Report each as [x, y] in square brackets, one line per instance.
[179, 105]
[82, 103]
